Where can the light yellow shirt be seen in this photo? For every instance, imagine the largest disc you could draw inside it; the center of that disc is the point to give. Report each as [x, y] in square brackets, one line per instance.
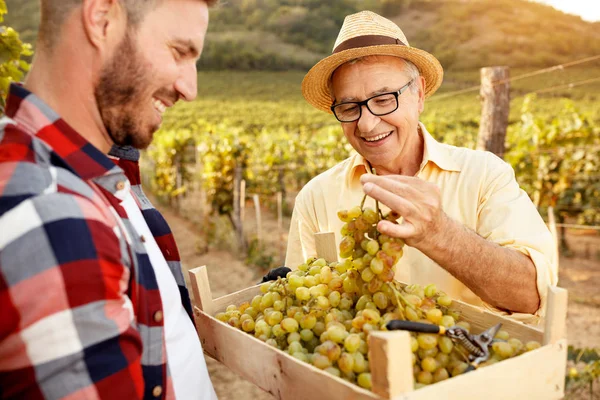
[478, 189]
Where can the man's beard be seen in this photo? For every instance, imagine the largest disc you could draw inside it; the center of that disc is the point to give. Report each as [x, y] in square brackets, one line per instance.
[120, 96]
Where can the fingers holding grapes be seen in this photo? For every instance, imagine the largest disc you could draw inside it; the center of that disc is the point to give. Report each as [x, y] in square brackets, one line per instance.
[417, 201]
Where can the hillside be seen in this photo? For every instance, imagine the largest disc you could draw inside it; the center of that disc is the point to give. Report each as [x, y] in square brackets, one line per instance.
[463, 34]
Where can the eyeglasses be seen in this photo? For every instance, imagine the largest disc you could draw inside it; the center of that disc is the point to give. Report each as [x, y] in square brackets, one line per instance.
[381, 104]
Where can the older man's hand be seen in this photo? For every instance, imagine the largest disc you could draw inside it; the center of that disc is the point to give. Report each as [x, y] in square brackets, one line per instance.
[417, 201]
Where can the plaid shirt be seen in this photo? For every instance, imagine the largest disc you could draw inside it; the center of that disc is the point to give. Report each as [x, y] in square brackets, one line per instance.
[80, 309]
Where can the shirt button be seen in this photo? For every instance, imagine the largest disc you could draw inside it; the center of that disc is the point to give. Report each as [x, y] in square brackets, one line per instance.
[157, 391]
[158, 316]
[143, 238]
[120, 185]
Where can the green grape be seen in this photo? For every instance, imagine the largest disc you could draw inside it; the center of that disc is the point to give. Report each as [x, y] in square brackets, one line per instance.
[310, 281]
[367, 274]
[370, 216]
[465, 325]
[377, 266]
[532, 345]
[371, 316]
[364, 380]
[354, 212]
[274, 317]
[295, 347]
[255, 303]
[424, 353]
[319, 328]
[289, 325]
[326, 275]
[302, 293]
[320, 361]
[360, 364]
[306, 334]
[234, 321]
[372, 247]
[293, 337]
[502, 335]
[434, 315]
[429, 364]
[431, 290]
[445, 344]
[300, 356]
[352, 342]
[447, 321]
[412, 314]
[343, 216]
[503, 349]
[444, 301]
[337, 334]
[333, 371]
[414, 344]
[440, 374]
[222, 317]
[347, 246]
[278, 331]
[248, 325]
[516, 344]
[346, 362]
[427, 340]
[380, 300]
[296, 281]
[459, 368]
[264, 288]
[442, 359]
[320, 262]
[425, 377]
[334, 298]
[322, 302]
[244, 317]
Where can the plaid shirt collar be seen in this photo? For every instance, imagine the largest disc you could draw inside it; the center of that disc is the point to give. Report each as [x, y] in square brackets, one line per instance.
[80, 156]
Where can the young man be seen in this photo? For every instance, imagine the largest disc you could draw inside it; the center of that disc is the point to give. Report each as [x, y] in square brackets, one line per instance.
[468, 226]
[93, 299]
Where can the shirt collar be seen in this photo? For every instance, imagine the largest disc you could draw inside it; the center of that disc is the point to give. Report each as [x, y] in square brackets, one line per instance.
[36, 118]
[433, 151]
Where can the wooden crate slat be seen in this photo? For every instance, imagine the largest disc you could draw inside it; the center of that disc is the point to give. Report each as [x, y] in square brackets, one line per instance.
[391, 369]
[539, 374]
[272, 370]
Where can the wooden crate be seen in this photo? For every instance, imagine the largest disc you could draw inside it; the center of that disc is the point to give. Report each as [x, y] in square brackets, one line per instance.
[538, 374]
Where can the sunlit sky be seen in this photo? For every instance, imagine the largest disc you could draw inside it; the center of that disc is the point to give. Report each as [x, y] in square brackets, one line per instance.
[589, 10]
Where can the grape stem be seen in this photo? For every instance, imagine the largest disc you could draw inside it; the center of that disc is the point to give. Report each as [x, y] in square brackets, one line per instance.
[400, 297]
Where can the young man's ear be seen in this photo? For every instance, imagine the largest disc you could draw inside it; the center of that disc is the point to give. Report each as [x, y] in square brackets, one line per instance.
[104, 22]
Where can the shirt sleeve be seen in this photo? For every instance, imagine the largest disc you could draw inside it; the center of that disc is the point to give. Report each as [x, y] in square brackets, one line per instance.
[303, 226]
[508, 217]
[67, 325]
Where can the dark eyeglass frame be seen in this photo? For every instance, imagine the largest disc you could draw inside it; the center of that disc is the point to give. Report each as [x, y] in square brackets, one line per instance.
[365, 102]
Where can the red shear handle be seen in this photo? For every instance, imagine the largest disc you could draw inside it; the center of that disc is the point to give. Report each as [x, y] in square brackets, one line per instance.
[414, 327]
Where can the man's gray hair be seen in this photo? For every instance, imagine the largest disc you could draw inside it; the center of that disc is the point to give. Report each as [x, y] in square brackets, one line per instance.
[410, 68]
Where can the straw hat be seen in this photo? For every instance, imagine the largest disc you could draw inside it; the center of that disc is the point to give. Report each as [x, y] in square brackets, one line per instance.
[364, 34]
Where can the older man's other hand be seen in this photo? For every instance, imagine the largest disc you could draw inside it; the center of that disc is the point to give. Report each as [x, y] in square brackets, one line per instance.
[417, 201]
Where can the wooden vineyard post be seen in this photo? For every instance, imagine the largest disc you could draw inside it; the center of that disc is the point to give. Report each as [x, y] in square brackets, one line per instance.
[280, 224]
[494, 110]
[242, 200]
[258, 217]
[238, 221]
[325, 245]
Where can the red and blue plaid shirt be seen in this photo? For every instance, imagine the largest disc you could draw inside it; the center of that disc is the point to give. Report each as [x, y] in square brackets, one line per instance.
[80, 309]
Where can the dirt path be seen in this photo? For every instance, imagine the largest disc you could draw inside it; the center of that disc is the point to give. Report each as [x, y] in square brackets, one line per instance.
[228, 274]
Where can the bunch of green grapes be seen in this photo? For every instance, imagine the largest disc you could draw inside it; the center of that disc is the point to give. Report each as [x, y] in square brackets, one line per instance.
[322, 313]
[365, 249]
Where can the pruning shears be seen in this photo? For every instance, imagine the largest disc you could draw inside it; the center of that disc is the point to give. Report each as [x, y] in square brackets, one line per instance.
[477, 346]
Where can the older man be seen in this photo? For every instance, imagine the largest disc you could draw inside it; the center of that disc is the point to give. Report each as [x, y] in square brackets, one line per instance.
[92, 295]
[468, 226]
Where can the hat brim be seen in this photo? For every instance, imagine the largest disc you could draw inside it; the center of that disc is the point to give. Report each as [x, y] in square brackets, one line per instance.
[315, 85]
